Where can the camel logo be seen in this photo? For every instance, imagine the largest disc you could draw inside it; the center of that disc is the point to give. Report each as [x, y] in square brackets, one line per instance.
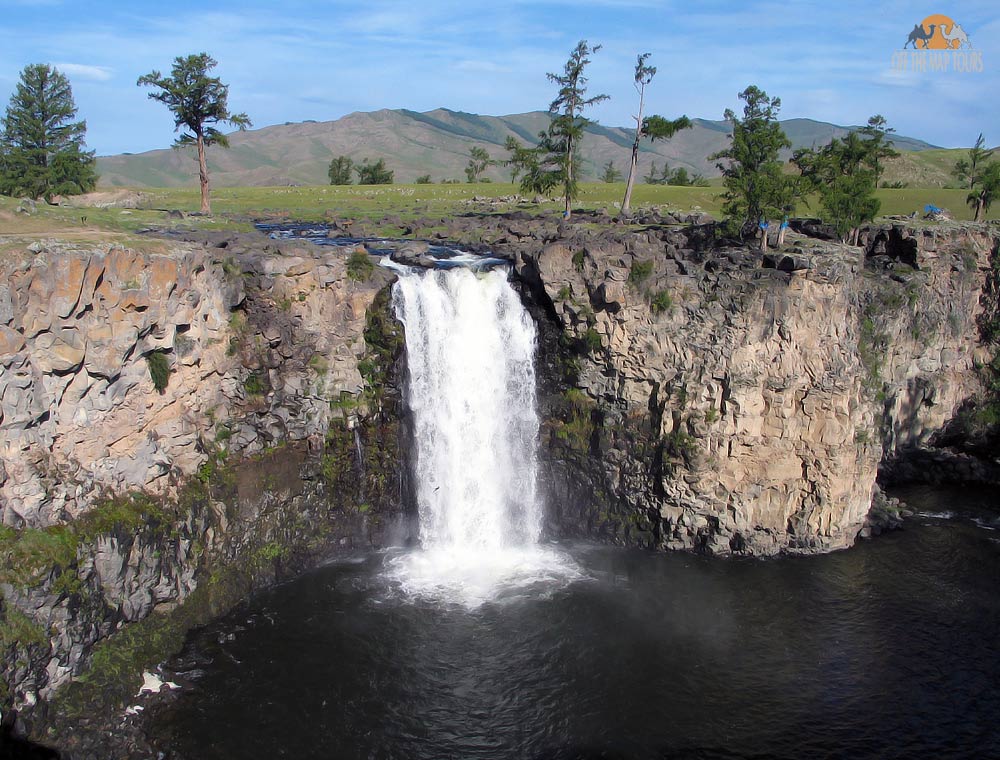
[937, 32]
[938, 44]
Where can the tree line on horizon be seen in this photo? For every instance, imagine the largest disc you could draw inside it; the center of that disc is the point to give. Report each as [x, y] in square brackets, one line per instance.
[42, 148]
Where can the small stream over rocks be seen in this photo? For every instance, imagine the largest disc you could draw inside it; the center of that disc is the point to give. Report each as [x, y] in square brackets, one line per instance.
[416, 253]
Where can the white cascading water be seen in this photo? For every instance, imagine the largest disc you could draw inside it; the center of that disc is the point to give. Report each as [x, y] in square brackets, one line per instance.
[470, 350]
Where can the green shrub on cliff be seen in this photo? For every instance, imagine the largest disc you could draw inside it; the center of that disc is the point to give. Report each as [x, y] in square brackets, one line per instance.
[872, 345]
[25, 554]
[592, 340]
[129, 513]
[640, 272]
[359, 266]
[574, 419]
[255, 384]
[18, 628]
[383, 343]
[159, 370]
[660, 302]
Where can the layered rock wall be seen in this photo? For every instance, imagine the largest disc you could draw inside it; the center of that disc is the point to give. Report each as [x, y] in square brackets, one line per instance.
[78, 406]
[124, 504]
[694, 396]
[737, 402]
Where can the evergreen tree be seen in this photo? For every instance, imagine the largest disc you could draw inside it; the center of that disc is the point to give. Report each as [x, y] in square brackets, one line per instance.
[756, 188]
[986, 190]
[844, 176]
[340, 171]
[562, 140]
[542, 172]
[653, 178]
[880, 148]
[610, 174]
[199, 103]
[374, 174]
[969, 170]
[521, 158]
[479, 161]
[973, 172]
[42, 151]
[679, 177]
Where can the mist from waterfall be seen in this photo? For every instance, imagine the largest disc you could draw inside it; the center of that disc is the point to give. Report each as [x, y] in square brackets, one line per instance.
[470, 351]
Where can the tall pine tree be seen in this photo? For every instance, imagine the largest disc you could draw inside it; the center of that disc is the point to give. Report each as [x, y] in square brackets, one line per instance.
[878, 133]
[199, 104]
[563, 138]
[43, 151]
[756, 188]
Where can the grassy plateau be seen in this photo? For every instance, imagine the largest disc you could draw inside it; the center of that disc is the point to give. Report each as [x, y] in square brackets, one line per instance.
[235, 208]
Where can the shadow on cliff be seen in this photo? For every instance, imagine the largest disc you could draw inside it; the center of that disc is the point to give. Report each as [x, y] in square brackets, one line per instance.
[14, 747]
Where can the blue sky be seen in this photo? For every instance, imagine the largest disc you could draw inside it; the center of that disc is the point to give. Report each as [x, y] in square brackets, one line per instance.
[320, 60]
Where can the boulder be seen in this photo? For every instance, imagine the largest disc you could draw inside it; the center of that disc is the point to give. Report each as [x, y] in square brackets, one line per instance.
[794, 262]
[414, 254]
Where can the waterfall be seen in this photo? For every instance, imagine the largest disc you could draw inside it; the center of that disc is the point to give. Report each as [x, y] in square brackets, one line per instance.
[470, 350]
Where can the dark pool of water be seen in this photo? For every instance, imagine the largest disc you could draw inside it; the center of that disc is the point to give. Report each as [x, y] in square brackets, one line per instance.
[888, 650]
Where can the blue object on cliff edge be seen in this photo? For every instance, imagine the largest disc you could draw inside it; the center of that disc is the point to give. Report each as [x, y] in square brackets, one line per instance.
[932, 209]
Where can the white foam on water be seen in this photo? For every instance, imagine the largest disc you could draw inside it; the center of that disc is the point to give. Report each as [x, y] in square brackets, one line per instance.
[471, 578]
[987, 524]
[470, 350]
[946, 515]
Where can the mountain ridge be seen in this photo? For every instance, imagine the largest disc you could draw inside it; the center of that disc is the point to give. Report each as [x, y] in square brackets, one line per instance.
[435, 142]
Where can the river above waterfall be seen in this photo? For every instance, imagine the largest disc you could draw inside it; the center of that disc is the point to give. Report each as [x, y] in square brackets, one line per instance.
[889, 649]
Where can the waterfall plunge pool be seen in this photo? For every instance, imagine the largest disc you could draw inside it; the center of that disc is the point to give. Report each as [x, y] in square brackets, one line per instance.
[886, 650]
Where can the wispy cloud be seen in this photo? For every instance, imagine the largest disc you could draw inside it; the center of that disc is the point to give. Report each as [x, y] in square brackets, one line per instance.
[83, 71]
[483, 66]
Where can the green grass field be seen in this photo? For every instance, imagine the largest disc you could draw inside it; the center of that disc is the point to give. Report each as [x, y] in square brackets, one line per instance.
[236, 208]
[409, 201]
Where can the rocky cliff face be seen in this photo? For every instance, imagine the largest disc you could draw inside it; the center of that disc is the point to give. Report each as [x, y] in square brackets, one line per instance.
[82, 331]
[180, 427]
[739, 402]
[182, 422]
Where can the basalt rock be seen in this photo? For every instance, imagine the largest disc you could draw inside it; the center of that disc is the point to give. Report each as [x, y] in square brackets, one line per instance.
[738, 403]
[78, 405]
[134, 507]
[693, 396]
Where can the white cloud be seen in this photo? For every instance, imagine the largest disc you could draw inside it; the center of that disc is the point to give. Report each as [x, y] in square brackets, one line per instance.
[83, 71]
[479, 65]
[898, 78]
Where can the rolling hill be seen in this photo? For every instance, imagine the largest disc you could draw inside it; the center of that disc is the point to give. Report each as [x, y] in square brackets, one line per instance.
[435, 143]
